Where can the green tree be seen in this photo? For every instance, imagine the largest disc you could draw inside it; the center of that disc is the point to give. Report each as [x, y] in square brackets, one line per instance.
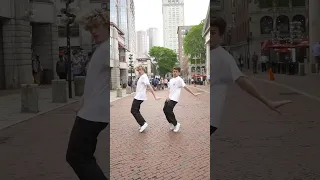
[194, 43]
[164, 57]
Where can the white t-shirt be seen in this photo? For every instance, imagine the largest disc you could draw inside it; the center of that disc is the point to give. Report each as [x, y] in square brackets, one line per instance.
[175, 86]
[141, 90]
[96, 94]
[224, 70]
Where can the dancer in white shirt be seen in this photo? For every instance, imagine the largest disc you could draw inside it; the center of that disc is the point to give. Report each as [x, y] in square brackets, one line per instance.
[224, 71]
[175, 85]
[94, 113]
[141, 95]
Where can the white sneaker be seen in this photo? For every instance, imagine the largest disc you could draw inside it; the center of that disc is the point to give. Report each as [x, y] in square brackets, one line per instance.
[177, 127]
[142, 128]
[171, 126]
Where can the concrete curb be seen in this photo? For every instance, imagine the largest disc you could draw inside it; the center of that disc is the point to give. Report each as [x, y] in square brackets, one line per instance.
[288, 87]
[200, 89]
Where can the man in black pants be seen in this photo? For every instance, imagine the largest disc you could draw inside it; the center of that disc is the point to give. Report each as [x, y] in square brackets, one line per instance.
[141, 95]
[94, 113]
[225, 71]
[175, 86]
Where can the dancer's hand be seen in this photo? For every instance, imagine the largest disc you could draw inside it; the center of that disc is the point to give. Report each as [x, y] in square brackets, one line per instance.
[274, 105]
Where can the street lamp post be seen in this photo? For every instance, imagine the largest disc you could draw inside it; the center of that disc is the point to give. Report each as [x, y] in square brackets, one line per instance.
[70, 20]
[131, 69]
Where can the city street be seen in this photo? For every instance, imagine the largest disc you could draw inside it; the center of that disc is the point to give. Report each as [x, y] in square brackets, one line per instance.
[159, 153]
[254, 143]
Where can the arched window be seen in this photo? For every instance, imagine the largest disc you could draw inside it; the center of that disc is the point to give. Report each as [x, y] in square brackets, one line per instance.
[301, 19]
[266, 25]
[283, 24]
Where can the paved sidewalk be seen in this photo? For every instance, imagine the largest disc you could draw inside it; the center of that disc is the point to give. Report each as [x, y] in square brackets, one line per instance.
[113, 95]
[36, 149]
[10, 106]
[159, 153]
[254, 143]
[309, 84]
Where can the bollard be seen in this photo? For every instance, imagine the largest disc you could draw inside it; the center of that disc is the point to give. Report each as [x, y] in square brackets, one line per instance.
[59, 91]
[29, 98]
[128, 90]
[119, 92]
[79, 82]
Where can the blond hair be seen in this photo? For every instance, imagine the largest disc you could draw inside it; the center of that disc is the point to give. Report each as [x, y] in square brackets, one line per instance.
[94, 18]
[140, 67]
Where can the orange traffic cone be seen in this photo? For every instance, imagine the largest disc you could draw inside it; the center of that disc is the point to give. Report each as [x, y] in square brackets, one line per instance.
[271, 75]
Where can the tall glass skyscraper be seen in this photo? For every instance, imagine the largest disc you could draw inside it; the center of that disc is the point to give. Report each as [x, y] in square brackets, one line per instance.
[123, 19]
[114, 11]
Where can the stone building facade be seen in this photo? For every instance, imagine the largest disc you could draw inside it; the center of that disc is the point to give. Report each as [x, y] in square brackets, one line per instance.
[251, 24]
[26, 28]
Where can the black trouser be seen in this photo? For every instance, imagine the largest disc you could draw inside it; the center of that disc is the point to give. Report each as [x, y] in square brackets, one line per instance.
[168, 111]
[81, 148]
[135, 111]
[63, 75]
[264, 67]
[254, 67]
[212, 130]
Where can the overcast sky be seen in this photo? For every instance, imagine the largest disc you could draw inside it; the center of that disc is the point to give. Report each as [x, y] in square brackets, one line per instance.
[149, 14]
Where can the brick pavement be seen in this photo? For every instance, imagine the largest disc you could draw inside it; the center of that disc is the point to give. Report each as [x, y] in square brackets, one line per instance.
[35, 149]
[256, 144]
[158, 153]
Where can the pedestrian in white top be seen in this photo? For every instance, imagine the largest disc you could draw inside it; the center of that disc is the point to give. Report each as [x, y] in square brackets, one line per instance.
[94, 113]
[224, 71]
[141, 95]
[175, 85]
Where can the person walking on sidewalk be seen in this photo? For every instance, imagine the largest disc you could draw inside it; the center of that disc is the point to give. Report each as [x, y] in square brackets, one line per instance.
[224, 71]
[94, 113]
[37, 69]
[254, 62]
[61, 68]
[175, 86]
[141, 95]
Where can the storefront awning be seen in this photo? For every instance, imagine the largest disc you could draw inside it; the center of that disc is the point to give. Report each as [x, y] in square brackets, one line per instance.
[122, 46]
[265, 45]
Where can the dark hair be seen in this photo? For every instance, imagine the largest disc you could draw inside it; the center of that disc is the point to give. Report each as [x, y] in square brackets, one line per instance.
[89, 53]
[177, 68]
[220, 23]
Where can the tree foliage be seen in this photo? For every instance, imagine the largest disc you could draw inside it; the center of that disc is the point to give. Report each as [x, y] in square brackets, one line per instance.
[164, 57]
[194, 43]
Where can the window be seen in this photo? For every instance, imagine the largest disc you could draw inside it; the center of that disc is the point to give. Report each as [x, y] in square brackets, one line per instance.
[74, 31]
[283, 3]
[298, 3]
[265, 4]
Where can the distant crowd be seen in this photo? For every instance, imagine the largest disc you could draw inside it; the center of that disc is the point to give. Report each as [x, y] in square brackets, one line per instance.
[79, 65]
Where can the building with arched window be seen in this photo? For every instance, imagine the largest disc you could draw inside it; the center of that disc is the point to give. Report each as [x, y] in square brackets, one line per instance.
[256, 27]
